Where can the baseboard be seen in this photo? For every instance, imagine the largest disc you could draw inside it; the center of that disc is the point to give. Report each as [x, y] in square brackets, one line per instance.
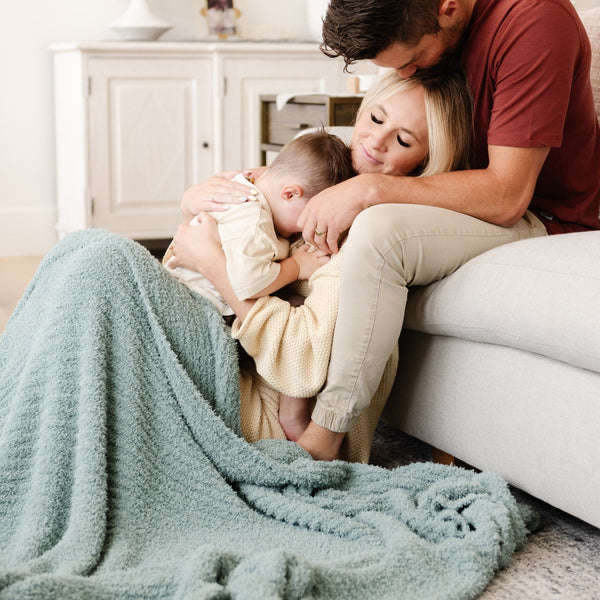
[27, 231]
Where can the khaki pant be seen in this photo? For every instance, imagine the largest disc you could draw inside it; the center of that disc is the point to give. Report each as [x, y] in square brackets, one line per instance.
[392, 247]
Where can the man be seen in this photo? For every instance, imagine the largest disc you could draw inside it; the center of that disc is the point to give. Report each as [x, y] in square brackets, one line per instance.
[536, 146]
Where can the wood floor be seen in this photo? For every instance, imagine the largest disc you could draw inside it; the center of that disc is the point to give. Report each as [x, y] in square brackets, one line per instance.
[15, 274]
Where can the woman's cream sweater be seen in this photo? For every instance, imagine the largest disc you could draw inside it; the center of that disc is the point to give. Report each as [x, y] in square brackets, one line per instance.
[291, 347]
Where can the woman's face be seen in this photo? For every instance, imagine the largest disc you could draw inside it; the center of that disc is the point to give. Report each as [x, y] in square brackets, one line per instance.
[391, 137]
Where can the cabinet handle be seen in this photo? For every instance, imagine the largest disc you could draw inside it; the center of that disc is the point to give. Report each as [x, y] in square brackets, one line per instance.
[205, 144]
[303, 126]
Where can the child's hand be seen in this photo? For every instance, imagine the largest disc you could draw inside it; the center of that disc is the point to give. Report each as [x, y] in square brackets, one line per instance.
[309, 259]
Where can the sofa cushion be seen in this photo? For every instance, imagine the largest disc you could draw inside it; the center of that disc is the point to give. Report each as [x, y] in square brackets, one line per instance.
[540, 295]
[591, 22]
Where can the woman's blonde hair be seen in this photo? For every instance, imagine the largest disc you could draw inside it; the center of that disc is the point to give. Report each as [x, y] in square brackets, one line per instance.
[449, 111]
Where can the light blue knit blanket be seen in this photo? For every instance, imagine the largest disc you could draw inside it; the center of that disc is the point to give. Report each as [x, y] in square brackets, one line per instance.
[123, 474]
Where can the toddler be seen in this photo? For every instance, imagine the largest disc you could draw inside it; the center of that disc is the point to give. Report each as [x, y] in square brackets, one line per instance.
[255, 235]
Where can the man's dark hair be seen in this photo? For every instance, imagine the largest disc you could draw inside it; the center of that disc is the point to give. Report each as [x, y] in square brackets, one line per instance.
[361, 29]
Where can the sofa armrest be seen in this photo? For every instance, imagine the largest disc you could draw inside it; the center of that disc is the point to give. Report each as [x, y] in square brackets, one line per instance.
[539, 295]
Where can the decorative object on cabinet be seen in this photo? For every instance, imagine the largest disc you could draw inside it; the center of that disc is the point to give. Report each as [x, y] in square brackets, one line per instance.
[282, 121]
[315, 11]
[138, 123]
[139, 23]
[221, 16]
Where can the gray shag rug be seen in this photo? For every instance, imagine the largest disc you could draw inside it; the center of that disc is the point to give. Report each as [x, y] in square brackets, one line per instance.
[560, 560]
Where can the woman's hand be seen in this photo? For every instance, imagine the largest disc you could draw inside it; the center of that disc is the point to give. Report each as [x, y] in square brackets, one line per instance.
[198, 247]
[254, 174]
[214, 194]
[331, 212]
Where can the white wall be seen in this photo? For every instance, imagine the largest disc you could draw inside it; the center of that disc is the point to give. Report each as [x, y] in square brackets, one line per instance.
[27, 179]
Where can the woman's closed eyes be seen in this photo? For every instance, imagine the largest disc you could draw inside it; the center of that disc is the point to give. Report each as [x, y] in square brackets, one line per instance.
[398, 137]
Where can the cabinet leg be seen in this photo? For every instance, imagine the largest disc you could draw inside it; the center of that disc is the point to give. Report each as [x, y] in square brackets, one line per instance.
[441, 457]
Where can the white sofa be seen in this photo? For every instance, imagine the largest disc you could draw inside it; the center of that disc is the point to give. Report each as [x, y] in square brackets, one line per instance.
[500, 362]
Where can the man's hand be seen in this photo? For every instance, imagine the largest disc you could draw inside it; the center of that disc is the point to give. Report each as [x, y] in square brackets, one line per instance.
[331, 212]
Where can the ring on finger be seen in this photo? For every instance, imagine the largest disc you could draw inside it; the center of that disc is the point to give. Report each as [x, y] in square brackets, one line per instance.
[320, 233]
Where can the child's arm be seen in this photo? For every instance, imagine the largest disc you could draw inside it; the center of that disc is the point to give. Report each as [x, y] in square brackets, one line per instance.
[299, 266]
[289, 271]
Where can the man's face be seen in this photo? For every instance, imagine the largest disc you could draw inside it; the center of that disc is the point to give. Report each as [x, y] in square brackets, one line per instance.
[431, 50]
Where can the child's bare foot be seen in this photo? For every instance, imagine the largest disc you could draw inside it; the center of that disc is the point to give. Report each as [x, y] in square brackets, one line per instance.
[294, 416]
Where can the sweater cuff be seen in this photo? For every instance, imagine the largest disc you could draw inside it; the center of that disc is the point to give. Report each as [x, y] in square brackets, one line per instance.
[239, 328]
[332, 420]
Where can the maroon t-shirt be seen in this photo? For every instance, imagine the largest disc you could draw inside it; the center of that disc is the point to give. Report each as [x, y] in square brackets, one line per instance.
[528, 63]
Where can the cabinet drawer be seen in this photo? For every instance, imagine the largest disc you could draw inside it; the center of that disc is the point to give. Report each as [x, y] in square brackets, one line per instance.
[283, 125]
[278, 127]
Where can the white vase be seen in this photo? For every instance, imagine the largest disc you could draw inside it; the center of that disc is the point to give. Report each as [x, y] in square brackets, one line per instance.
[315, 11]
[138, 22]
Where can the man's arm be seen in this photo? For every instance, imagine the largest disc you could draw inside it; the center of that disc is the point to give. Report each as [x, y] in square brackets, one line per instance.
[499, 194]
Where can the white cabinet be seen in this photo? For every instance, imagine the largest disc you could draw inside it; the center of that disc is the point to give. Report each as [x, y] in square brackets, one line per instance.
[138, 123]
[149, 139]
[248, 78]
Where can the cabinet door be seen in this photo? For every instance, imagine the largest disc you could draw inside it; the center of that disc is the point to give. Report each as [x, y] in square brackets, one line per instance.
[247, 77]
[150, 138]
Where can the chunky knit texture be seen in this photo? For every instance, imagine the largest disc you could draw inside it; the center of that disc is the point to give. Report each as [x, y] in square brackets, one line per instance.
[123, 473]
[291, 347]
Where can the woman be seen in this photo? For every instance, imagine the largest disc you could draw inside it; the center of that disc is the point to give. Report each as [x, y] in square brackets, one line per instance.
[418, 127]
[124, 470]
[415, 127]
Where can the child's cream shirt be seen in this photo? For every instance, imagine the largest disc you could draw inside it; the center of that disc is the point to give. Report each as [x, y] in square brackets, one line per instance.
[252, 249]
